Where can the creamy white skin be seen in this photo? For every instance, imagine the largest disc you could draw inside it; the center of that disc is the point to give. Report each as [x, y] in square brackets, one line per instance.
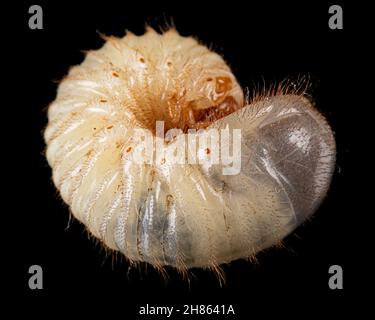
[185, 215]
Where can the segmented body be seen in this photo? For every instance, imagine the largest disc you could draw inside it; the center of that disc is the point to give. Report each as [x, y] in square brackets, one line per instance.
[182, 215]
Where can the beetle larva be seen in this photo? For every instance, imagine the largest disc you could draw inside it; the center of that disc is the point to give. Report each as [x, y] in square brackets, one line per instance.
[182, 215]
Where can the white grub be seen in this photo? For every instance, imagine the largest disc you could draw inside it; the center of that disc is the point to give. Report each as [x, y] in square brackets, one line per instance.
[182, 216]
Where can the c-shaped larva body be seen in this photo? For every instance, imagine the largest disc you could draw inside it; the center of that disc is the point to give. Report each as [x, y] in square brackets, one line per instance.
[182, 215]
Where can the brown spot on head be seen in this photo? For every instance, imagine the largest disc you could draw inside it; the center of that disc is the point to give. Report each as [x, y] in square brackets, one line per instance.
[223, 84]
[208, 151]
[115, 74]
[128, 149]
[142, 60]
[204, 117]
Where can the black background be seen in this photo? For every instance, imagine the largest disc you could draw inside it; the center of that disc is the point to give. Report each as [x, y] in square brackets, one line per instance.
[263, 43]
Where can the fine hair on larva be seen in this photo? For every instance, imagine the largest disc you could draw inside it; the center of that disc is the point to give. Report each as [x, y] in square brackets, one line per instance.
[188, 215]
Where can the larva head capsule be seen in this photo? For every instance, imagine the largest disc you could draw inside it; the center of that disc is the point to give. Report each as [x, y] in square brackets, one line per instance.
[189, 214]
